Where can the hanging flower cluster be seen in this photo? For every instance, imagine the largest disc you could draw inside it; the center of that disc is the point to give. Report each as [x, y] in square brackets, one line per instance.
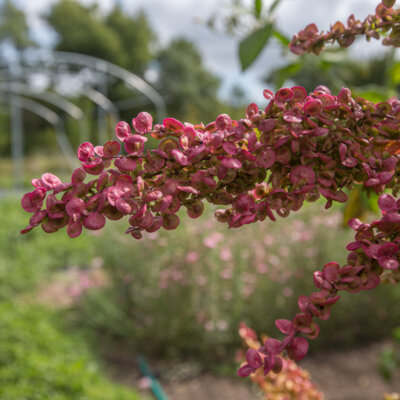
[301, 146]
[293, 382]
[385, 22]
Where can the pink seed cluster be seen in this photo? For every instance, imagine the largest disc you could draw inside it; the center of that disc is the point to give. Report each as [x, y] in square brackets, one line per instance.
[300, 147]
[293, 382]
[385, 22]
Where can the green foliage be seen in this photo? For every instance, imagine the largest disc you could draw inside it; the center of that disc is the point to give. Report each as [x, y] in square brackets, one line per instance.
[39, 361]
[81, 31]
[257, 8]
[13, 25]
[274, 4]
[27, 260]
[252, 45]
[336, 69]
[118, 37]
[389, 360]
[191, 92]
[136, 38]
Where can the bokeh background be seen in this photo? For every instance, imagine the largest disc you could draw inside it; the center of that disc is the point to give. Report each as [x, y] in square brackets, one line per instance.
[75, 314]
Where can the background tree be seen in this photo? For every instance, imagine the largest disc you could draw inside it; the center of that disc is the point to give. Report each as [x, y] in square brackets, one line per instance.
[80, 29]
[191, 92]
[136, 37]
[13, 26]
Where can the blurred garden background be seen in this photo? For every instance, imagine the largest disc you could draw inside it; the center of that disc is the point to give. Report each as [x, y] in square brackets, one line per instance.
[75, 314]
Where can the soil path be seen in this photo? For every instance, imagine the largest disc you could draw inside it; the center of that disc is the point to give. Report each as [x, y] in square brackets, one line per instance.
[341, 375]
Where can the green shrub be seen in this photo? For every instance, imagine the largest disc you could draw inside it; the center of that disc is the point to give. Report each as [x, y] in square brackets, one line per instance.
[39, 361]
[26, 260]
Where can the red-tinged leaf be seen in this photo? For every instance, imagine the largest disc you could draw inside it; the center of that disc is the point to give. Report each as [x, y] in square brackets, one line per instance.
[272, 346]
[278, 365]
[268, 94]
[284, 325]
[143, 122]
[355, 223]
[393, 147]
[302, 322]
[111, 148]
[74, 229]
[387, 203]
[223, 122]
[245, 371]
[85, 151]
[253, 358]
[303, 303]
[314, 328]
[233, 163]
[125, 164]
[50, 180]
[94, 221]
[78, 176]
[297, 348]
[331, 271]
[173, 125]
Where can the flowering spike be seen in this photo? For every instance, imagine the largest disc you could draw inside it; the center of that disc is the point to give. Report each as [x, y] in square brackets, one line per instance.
[300, 147]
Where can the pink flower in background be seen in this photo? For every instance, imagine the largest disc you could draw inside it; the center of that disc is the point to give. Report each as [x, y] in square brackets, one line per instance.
[226, 273]
[75, 291]
[97, 262]
[269, 240]
[225, 254]
[222, 325]
[311, 252]
[209, 326]
[213, 240]
[332, 220]
[192, 256]
[274, 260]
[163, 284]
[85, 282]
[247, 290]
[287, 291]
[177, 276]
[283, 251]
[261, 268]
[144, 383]
[152, 235]
[201, 280]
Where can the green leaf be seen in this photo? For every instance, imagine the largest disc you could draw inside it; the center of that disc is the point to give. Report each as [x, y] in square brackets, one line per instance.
[280, 76]
[273, 6]
[285, 41]
[257, 8]
[250, 47]
[394, 74]
[374, 93]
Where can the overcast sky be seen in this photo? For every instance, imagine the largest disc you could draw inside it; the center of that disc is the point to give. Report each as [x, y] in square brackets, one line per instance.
[174, 18]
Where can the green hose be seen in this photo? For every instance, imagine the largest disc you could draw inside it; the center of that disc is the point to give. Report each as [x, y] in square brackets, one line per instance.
[155, 385]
